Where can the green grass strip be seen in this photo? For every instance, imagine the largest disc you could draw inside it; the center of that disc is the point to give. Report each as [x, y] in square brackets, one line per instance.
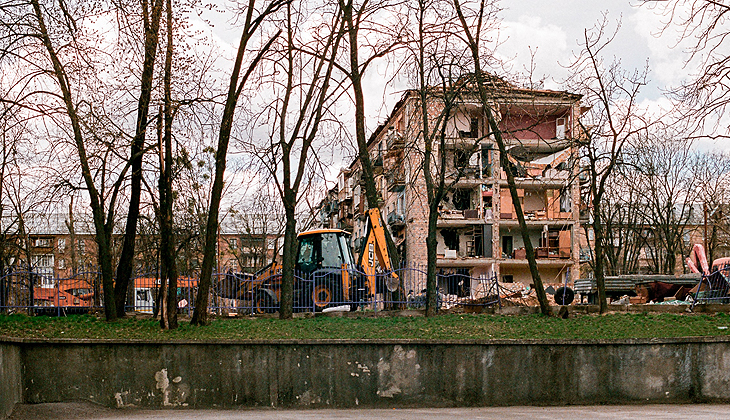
[443, 327]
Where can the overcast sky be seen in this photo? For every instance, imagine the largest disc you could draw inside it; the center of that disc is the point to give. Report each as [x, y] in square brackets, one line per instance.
[553, 30]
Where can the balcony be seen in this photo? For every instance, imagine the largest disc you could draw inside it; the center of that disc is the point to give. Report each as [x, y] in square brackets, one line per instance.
[395, 140]
[344, 225]
[378, 165]
[396, 219]
[396, 180]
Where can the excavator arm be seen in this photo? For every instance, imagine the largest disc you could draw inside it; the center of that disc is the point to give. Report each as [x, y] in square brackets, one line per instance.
[375, 248]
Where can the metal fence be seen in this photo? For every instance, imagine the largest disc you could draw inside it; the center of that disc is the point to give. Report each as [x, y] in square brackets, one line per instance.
[244, 294]
[36, 293]
[713, 288]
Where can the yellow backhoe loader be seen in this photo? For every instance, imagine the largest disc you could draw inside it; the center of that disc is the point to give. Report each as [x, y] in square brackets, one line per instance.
[326, 274]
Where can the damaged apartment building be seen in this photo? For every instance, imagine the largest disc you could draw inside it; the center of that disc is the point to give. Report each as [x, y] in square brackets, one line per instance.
[478, 232]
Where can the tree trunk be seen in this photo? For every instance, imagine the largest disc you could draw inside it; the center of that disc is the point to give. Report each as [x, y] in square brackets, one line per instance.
[167, 234]
[431, 279]
[599, 261]
[125, 267]
[103, 230]
[200, 314]
[286, 303]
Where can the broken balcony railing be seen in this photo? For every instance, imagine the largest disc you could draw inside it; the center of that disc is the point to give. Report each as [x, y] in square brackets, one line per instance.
[713, 288]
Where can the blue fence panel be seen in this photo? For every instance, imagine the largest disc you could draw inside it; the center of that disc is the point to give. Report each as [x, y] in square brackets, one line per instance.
[328, 289]
[28, 291]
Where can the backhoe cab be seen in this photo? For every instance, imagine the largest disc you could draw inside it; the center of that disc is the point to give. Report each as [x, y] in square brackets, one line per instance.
[324, 261]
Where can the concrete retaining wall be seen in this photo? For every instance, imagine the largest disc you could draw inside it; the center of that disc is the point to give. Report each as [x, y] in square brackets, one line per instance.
[368, 374]
[10, 378]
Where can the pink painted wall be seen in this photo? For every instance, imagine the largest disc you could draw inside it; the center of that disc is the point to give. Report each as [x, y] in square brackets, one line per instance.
[527, 127]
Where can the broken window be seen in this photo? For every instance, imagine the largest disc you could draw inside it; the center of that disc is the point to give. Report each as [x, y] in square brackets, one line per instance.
[565, 201]
[506, 246]
[461, 158]
[451, 239]
[462, 199]
[486, 161]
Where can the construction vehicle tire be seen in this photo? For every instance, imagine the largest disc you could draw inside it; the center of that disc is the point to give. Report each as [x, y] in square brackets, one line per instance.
[264, 303]
[564, 296]
[325, 295]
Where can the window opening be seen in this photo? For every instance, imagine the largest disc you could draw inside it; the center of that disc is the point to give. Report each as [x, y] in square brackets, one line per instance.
[462, 199]
[506, 246]
[565, 202]
[331, 256]
[451, 239]
[461, 158]
[486, 162]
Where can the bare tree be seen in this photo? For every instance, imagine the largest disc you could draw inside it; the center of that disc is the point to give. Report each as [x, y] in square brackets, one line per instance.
[370, 29]
[661, 196]
[623, 220]
[473, 21]
[168, 315]
[664, 178]
[54, 38]
[712, 172]
[254, 17]
[303, 98]
[613, 120]
[439, 72]
[151, 16]
[703, 99]
[12, 131]
[259, 223]
[34, 17]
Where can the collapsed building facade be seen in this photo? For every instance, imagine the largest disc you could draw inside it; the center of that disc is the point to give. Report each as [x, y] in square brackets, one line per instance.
[478, 232]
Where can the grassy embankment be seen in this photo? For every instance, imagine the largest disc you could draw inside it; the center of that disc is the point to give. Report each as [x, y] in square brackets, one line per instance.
[444, 327]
